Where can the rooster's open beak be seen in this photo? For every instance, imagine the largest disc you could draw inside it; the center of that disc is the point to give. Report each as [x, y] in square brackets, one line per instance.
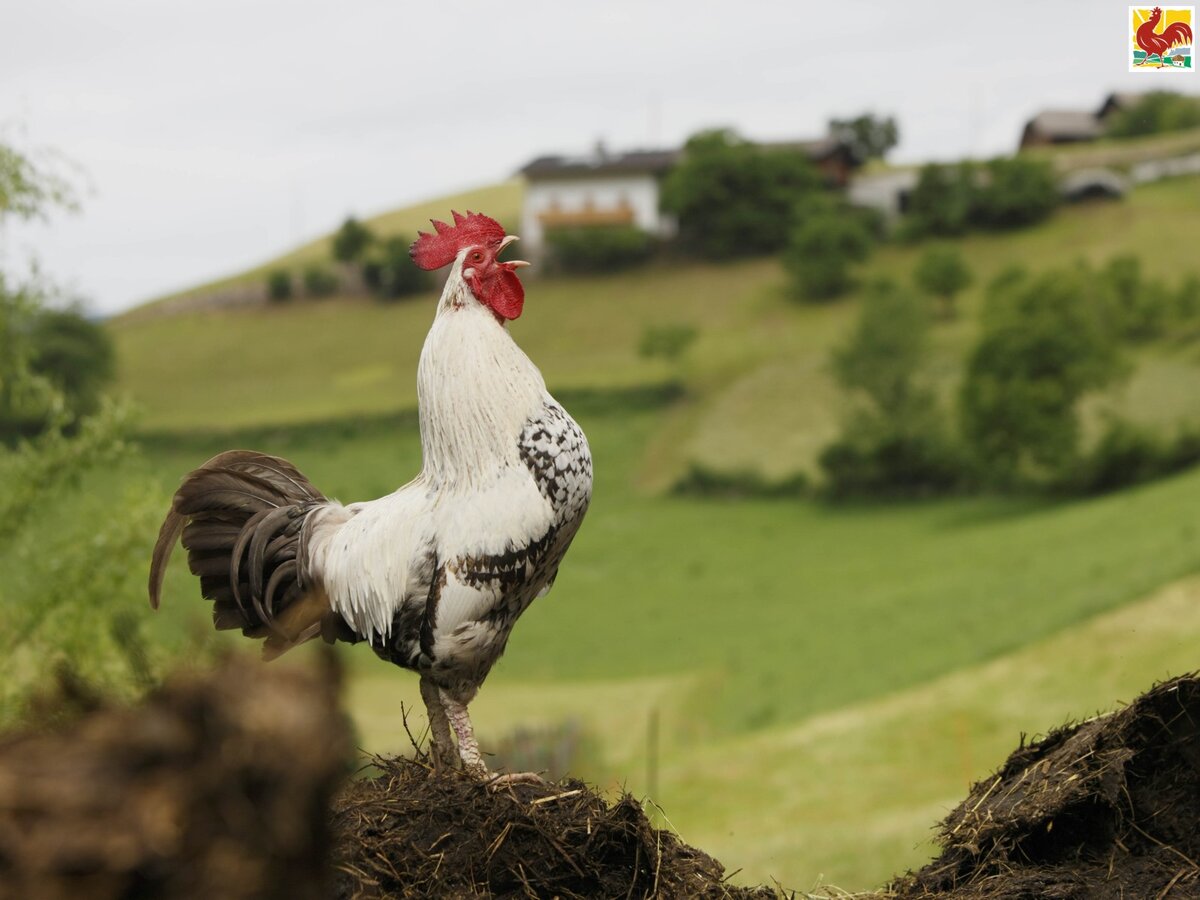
[514, 263]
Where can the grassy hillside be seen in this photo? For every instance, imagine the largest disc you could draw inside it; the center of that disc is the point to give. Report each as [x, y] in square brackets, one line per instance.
[827, 679]
[795, 653]
[763, 396]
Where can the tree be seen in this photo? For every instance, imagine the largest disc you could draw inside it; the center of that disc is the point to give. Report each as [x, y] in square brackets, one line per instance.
[75, 355]
[940, 202]
[898, 441]
[884, 352]
[1013, 192]
[941, 272]
[1154, 113]
[279, 285]
[390, 271]
[824, 245]
[351, 241]
[1044, 343]
[733, 198]
[868, 136]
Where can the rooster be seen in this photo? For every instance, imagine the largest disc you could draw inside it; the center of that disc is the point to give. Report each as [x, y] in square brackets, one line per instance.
[1159, 44]
[433, 576]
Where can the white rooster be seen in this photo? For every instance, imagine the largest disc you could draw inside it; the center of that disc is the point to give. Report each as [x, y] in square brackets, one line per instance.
[435, 575]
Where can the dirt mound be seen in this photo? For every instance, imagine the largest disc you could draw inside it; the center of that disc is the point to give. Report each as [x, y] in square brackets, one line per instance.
[410, 833]
[1106, 809]
[216, 786]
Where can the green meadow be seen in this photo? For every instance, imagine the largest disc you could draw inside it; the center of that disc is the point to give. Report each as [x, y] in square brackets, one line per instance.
[826, 681]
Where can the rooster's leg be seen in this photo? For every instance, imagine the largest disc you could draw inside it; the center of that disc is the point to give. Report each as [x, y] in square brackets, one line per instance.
[468, 747]
[442, 748]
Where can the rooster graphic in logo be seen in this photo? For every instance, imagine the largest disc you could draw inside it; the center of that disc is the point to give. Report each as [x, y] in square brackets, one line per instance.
[1156, 45]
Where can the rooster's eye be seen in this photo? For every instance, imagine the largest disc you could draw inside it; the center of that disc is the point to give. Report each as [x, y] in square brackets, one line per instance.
[476, 257]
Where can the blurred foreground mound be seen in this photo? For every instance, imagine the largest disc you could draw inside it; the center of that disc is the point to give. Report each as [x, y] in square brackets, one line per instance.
[410, 833]
[216, 786]
[1106, 809]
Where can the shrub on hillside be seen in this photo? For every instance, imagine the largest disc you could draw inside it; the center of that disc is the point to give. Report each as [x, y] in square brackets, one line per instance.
[319, 280]
[1003, 193]
[1140, 307]
[1044, 343]
[1155, 113]
[898, 442]
[940, 202]
[75, 355]
[825, 243]
[941, 272]
[1128, 454]
[734, 198]
[600, 248]
[703, 481]
[351, 241]
[1013, 192]
[279, 285]
[390, 273]
[876, 457]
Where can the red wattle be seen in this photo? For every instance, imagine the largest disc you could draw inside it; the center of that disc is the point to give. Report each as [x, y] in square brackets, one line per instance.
[505, 294]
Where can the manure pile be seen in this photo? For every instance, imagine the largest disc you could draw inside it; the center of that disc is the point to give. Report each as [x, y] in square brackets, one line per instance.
[1106, 809]
[216, 786]
[226, 785]
[412, 833]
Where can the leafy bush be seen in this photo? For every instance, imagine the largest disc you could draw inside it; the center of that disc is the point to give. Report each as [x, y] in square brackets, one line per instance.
[1004, 193]
[899, 443]
[279, 285]
[391, 273]
[667, 342]
[1044, 343]
[941, 272]
[1126, 455]
[702, 481]
[824, 245]
[601, 248]
[940, 202]
[319, 281]
[351, 240]
[878, 457]
[733, 198]
[1140, 308]
[1013, 193]
[1155, 113]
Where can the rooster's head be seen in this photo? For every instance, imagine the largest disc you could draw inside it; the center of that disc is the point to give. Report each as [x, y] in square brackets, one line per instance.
[473, 243]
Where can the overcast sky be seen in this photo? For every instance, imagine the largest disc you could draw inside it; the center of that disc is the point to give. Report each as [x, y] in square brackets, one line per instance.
[215, 135]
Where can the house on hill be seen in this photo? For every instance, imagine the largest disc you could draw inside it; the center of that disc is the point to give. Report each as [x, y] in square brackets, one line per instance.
[600, 189]
[604, 188]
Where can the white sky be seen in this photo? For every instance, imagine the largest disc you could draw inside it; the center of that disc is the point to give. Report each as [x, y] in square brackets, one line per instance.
[218, 134]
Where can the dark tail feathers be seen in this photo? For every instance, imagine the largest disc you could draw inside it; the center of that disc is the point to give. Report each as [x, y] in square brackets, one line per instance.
[242, 519]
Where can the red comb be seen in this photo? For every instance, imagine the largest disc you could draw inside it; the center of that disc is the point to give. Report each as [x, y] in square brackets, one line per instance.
[432, 251]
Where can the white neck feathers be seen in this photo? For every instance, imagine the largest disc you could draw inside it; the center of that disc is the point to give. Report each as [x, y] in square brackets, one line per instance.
[476, 390]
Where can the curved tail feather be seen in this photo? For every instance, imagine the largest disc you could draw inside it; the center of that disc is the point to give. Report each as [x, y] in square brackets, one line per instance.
[244, 519]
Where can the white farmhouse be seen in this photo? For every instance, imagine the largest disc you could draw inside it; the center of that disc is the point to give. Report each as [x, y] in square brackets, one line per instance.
[600, 189]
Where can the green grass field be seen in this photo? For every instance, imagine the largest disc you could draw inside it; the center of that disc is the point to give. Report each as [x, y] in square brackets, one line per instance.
[828, 679]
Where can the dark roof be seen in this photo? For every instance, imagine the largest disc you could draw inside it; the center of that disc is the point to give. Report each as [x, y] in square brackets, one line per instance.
[654, 162]
[1118, 100]
[821, 148]
[1065, 125]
